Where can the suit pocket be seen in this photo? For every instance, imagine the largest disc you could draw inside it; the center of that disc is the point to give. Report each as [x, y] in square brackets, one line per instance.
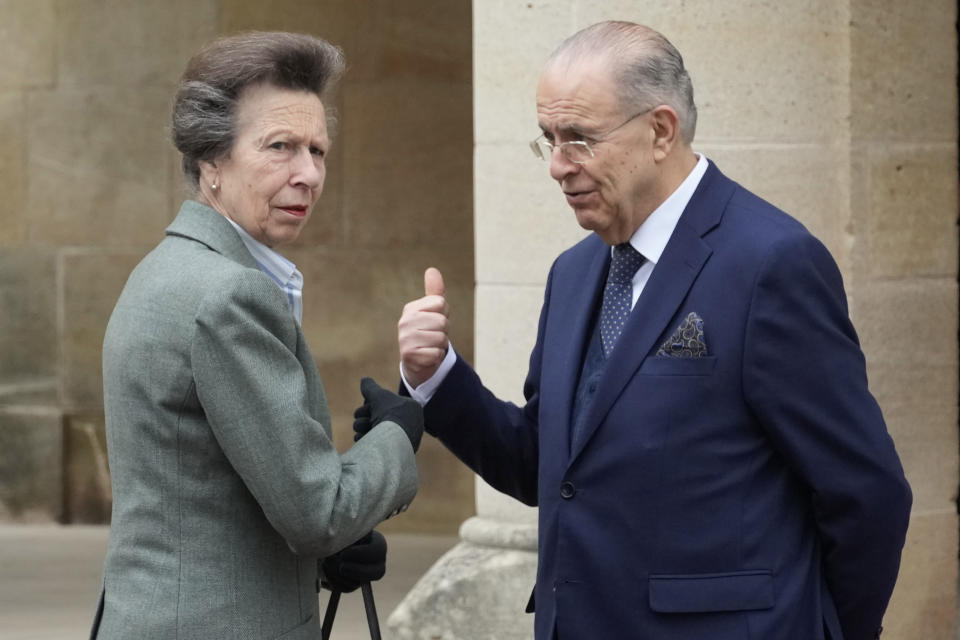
[674, 366]
[708, 592]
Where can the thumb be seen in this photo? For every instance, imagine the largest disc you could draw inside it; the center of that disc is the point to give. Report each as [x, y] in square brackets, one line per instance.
[433, 282]
[369, 388]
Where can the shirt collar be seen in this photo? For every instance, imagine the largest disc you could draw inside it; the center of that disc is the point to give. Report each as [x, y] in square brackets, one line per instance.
[652, 236]
[270, 262]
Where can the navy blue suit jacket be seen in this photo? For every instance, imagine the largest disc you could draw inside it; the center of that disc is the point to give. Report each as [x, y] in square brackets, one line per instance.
[750, 494]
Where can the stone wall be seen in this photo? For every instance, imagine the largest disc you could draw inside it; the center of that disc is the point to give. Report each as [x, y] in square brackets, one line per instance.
[842, 113]
[90, 181]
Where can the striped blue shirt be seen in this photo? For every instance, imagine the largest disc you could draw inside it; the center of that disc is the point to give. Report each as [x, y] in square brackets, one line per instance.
[280, 270]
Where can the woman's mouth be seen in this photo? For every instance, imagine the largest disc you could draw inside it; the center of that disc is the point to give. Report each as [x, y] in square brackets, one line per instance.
[296, 210]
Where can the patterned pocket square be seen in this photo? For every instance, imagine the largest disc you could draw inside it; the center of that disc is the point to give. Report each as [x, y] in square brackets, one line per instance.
[687, 341]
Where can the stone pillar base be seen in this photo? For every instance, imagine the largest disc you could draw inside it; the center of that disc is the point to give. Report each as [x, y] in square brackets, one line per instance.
[479, 589]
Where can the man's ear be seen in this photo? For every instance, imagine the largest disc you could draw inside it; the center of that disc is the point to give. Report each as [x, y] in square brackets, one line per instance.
[666, 131]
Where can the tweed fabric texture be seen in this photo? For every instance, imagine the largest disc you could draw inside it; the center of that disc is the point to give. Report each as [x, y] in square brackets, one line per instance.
[227, 487]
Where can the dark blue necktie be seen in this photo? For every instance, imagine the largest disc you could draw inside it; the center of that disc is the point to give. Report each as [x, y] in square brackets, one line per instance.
[618, 294]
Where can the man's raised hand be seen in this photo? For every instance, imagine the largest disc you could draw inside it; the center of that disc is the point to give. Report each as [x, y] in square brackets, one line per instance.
[422, 330]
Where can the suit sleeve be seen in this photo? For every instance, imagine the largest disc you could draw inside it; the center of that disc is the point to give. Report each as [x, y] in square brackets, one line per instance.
[253, 389]
[805, 378]
[498, 440]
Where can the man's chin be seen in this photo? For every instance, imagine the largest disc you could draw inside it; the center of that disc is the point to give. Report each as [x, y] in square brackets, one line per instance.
[599, 224]
[587, 218]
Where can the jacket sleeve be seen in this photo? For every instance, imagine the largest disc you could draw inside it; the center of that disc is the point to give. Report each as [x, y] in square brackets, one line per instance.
[254, 392]
[805, 378]
[498, 440]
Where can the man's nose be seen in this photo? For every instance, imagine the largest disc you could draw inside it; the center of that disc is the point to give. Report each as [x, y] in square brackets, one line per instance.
[560, 165]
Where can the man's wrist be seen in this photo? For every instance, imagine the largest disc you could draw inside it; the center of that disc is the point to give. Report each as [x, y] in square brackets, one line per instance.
[424, 391]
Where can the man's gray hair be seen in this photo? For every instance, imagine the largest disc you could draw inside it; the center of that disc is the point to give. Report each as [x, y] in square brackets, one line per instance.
[647, 69]
[204, 110]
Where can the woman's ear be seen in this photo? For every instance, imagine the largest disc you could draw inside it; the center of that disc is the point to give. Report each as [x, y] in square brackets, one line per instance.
[666, 130]
[209, 174]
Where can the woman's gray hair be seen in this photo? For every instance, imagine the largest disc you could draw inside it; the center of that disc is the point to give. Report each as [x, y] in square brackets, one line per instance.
[204, 110]
[647, 69]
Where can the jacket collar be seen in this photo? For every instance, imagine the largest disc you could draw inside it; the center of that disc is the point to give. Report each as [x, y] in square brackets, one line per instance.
[199, 222]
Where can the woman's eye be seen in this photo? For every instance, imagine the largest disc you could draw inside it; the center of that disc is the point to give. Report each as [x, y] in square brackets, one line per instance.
[317, 151]
[279, 146]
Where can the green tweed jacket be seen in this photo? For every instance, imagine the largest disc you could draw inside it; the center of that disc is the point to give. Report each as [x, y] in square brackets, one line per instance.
[227, 488]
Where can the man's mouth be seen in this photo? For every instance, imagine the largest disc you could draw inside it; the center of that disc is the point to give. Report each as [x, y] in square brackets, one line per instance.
[577, 198]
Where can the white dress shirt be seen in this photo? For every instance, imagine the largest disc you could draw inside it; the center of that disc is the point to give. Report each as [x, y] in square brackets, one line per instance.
[280, 270]
[650, 240]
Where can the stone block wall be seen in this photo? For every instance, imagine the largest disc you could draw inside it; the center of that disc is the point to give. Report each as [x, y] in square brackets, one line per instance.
[903, 216]
[90, 181]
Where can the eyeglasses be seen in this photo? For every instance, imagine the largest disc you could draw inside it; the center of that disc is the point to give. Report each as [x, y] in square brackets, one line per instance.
[576, 151]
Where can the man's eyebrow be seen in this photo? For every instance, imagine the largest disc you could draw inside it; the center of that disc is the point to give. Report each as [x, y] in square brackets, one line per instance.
[571, 128]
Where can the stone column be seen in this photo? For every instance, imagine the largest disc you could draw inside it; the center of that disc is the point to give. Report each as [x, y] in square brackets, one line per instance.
[842, 113]
[479, 588]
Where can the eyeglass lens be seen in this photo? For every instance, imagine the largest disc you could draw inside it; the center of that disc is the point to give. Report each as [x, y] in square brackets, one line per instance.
[575, 150]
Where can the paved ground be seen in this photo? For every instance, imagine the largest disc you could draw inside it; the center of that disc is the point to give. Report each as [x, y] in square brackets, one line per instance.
[50, 577]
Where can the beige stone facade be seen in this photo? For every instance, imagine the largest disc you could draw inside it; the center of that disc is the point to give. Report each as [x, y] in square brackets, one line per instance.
[90, 180]
[842, 112]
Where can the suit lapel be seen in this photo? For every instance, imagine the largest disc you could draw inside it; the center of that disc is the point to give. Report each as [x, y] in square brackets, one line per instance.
[678, 268]
[574, 300]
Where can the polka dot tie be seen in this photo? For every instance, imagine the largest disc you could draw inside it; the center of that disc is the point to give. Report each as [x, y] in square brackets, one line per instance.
[618, 294]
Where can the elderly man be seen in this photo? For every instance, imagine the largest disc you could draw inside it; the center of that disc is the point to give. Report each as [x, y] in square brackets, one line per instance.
[698, 433]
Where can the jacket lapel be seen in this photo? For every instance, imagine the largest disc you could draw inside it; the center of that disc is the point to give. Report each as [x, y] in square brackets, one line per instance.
[205, 225]
[681, 262]
[574, 301]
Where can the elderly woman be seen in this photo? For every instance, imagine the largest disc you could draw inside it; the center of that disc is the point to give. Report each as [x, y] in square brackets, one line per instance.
[227, 488]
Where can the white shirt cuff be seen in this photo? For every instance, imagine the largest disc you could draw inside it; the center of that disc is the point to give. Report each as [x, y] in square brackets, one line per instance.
[427, 388]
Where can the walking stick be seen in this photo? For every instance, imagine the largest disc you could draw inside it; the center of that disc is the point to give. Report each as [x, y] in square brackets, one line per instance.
[371, 610]
[330, 614]
[368, 605]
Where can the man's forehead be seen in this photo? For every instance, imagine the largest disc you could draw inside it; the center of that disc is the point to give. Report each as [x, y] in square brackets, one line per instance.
[568, 93]
[574, 76]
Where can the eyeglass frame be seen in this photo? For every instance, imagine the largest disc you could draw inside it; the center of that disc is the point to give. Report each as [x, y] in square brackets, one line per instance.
[541, 139]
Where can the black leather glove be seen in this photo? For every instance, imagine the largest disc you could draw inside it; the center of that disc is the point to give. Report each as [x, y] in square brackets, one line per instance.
[363, 561]
[381, 405]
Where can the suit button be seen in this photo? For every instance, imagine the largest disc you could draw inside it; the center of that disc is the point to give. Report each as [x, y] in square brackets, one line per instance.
[567, 490]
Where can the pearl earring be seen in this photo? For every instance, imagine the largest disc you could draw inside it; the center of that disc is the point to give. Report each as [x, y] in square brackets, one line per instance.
[214, 186]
